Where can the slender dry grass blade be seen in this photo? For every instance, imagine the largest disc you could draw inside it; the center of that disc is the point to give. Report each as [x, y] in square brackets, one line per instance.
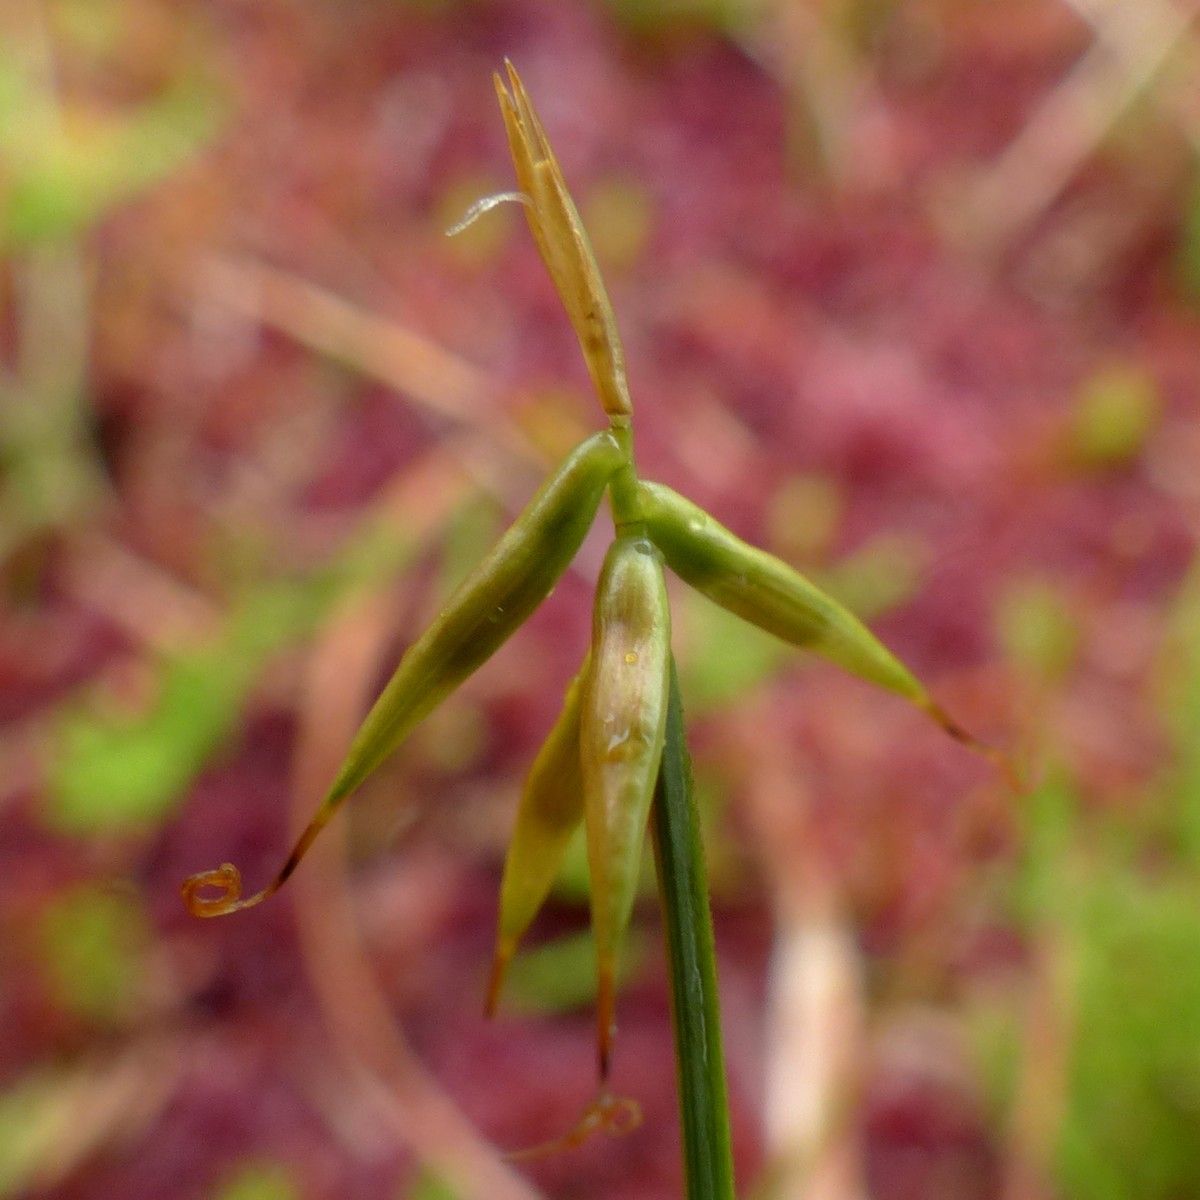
[392, 1078]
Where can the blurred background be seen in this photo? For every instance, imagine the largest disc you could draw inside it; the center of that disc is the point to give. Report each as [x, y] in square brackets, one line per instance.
[910, 291]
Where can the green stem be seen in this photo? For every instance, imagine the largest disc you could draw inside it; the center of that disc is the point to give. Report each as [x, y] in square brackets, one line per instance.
[622, 490]
[683, 888]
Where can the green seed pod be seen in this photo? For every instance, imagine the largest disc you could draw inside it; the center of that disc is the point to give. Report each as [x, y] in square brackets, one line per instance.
[622, 724]
[494, 600]
[550, 811]
[765, 591]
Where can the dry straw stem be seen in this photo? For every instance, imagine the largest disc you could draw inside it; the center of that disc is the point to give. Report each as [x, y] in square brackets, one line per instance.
[386, 1078]
[814, 1029]
[425, 373]
[1064, 131]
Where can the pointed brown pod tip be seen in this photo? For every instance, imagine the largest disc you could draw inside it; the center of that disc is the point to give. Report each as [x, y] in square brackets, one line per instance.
[514, 78]
[1001, 761]
[606, 1020]
[500, 961]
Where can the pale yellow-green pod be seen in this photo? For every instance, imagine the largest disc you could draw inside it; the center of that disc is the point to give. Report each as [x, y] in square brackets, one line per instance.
[765, 591]
[622, 724]
[550, 811]
[489, 606]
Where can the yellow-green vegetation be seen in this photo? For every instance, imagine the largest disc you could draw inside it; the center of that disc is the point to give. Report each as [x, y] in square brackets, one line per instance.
[258, 1181]
[1117, 410]
[93, 943]
[1106, 1050]
[1037, 628]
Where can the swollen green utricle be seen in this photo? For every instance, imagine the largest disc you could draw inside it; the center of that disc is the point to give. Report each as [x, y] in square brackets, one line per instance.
[622, 723]
[494, 600]
[765, 591]
[550, 811]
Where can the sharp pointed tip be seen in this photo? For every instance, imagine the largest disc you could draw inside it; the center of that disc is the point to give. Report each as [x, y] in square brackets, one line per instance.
[948, 724]
[521, 95]
[1013, 773]
[997, 757]
[500, 961]
[605, 1022]
[604, 1033]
